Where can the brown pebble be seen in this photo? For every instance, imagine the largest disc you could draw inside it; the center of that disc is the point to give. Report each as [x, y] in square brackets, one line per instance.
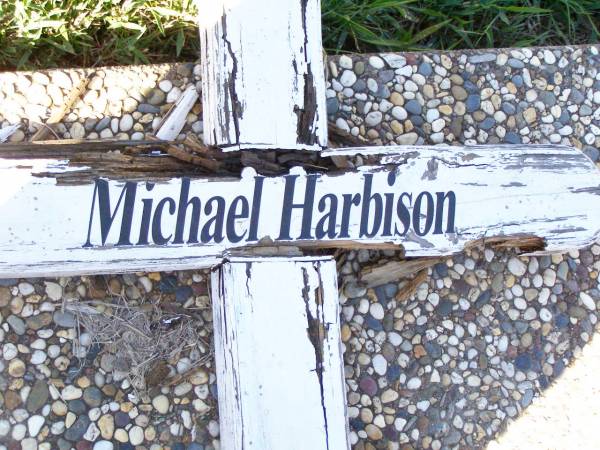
[83, 445]
[419, 351]
[5, 296]
[12, 400]
[109, 390]
[114, 286]
[422, 424]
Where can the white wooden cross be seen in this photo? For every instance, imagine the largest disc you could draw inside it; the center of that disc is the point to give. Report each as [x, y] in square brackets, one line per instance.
[277, 345]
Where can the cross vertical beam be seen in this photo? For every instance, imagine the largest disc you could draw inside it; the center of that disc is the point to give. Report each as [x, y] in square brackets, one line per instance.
[263, 84]
[278, 354]
[276, 321]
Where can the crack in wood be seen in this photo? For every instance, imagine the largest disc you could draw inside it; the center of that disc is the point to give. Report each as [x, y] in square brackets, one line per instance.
[317, 333]
[230, 86]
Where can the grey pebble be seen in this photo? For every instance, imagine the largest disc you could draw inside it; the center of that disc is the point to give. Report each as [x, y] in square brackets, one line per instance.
[102, 124]
[592, 153]
[473, 102]
[156, 97]
[512, 138]
[92, 396]
[413, 107]
[516, 63]
[482, 58]
[38, 396]
[548, 98]
[576, 96]
[509, 108]
[147, 108]
[425, 69]
[333, 105]
[17, 324]
[64, 319]
[78, 429]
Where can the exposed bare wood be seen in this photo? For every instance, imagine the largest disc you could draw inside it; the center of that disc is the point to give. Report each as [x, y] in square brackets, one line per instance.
[525, 243]
[182, 155]
[67, 147]
[427, 201]
[388, 271]
[172, 124]
[277, 327]
[237, 40]
[409, 287]
[58, 114]
[340, 138]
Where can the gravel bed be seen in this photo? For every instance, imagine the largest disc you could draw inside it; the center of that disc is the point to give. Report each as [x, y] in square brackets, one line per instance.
[449, 367]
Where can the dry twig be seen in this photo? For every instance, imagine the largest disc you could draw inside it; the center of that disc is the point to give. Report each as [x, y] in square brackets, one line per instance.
[144, 336]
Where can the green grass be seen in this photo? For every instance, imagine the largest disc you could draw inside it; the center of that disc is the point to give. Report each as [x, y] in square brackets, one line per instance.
[67, 33]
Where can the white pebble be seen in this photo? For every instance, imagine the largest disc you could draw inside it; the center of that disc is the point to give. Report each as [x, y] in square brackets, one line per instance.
[161, 404]
[379, 364]
[413, 383]
[473, 381]
[587, 301]
[9, 351]
[53, 290]
[29, 444]
[18, 432]
[4, 427]
[26, 288]
[345, 62]
[38, 357]
[126, 122]
[517, 267]
[165, 85]
[136, 435]
[103, 445]
[71, 392]
[377, 311]
[545, 315]
[35, 424]
[376, 62]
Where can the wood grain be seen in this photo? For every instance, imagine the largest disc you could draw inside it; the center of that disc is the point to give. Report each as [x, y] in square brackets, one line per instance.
[539, 198]
[278, 355]
[263, 59]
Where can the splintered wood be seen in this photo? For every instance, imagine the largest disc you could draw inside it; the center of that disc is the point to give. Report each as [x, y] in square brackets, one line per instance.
[426, 201]
[278, 354]
[251, 71]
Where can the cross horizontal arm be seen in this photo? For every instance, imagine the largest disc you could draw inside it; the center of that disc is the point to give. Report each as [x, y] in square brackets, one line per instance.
[428, 201]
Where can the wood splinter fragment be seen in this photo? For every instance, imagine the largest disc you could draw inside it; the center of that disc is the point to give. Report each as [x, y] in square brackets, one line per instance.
[408, 288]
[47, 129]
[382, 273]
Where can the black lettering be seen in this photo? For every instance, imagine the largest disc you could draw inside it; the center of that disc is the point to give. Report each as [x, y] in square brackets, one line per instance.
[439, 211]
[330, 218]
[232, 215]
[184, 203]
[389, 207]
[366, 212]
[255, 214]
[107, 217]
[215, 222]
[289, 205]
[428, 214]
[157, 236]
[403, 212]
[146, 215]
[348, 201]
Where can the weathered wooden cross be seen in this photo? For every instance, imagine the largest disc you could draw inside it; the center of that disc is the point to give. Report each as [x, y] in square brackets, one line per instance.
[276, 319]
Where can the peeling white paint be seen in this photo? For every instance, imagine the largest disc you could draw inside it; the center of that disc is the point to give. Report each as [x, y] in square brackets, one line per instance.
[280, 383]
[263, 58]
[550, 192]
